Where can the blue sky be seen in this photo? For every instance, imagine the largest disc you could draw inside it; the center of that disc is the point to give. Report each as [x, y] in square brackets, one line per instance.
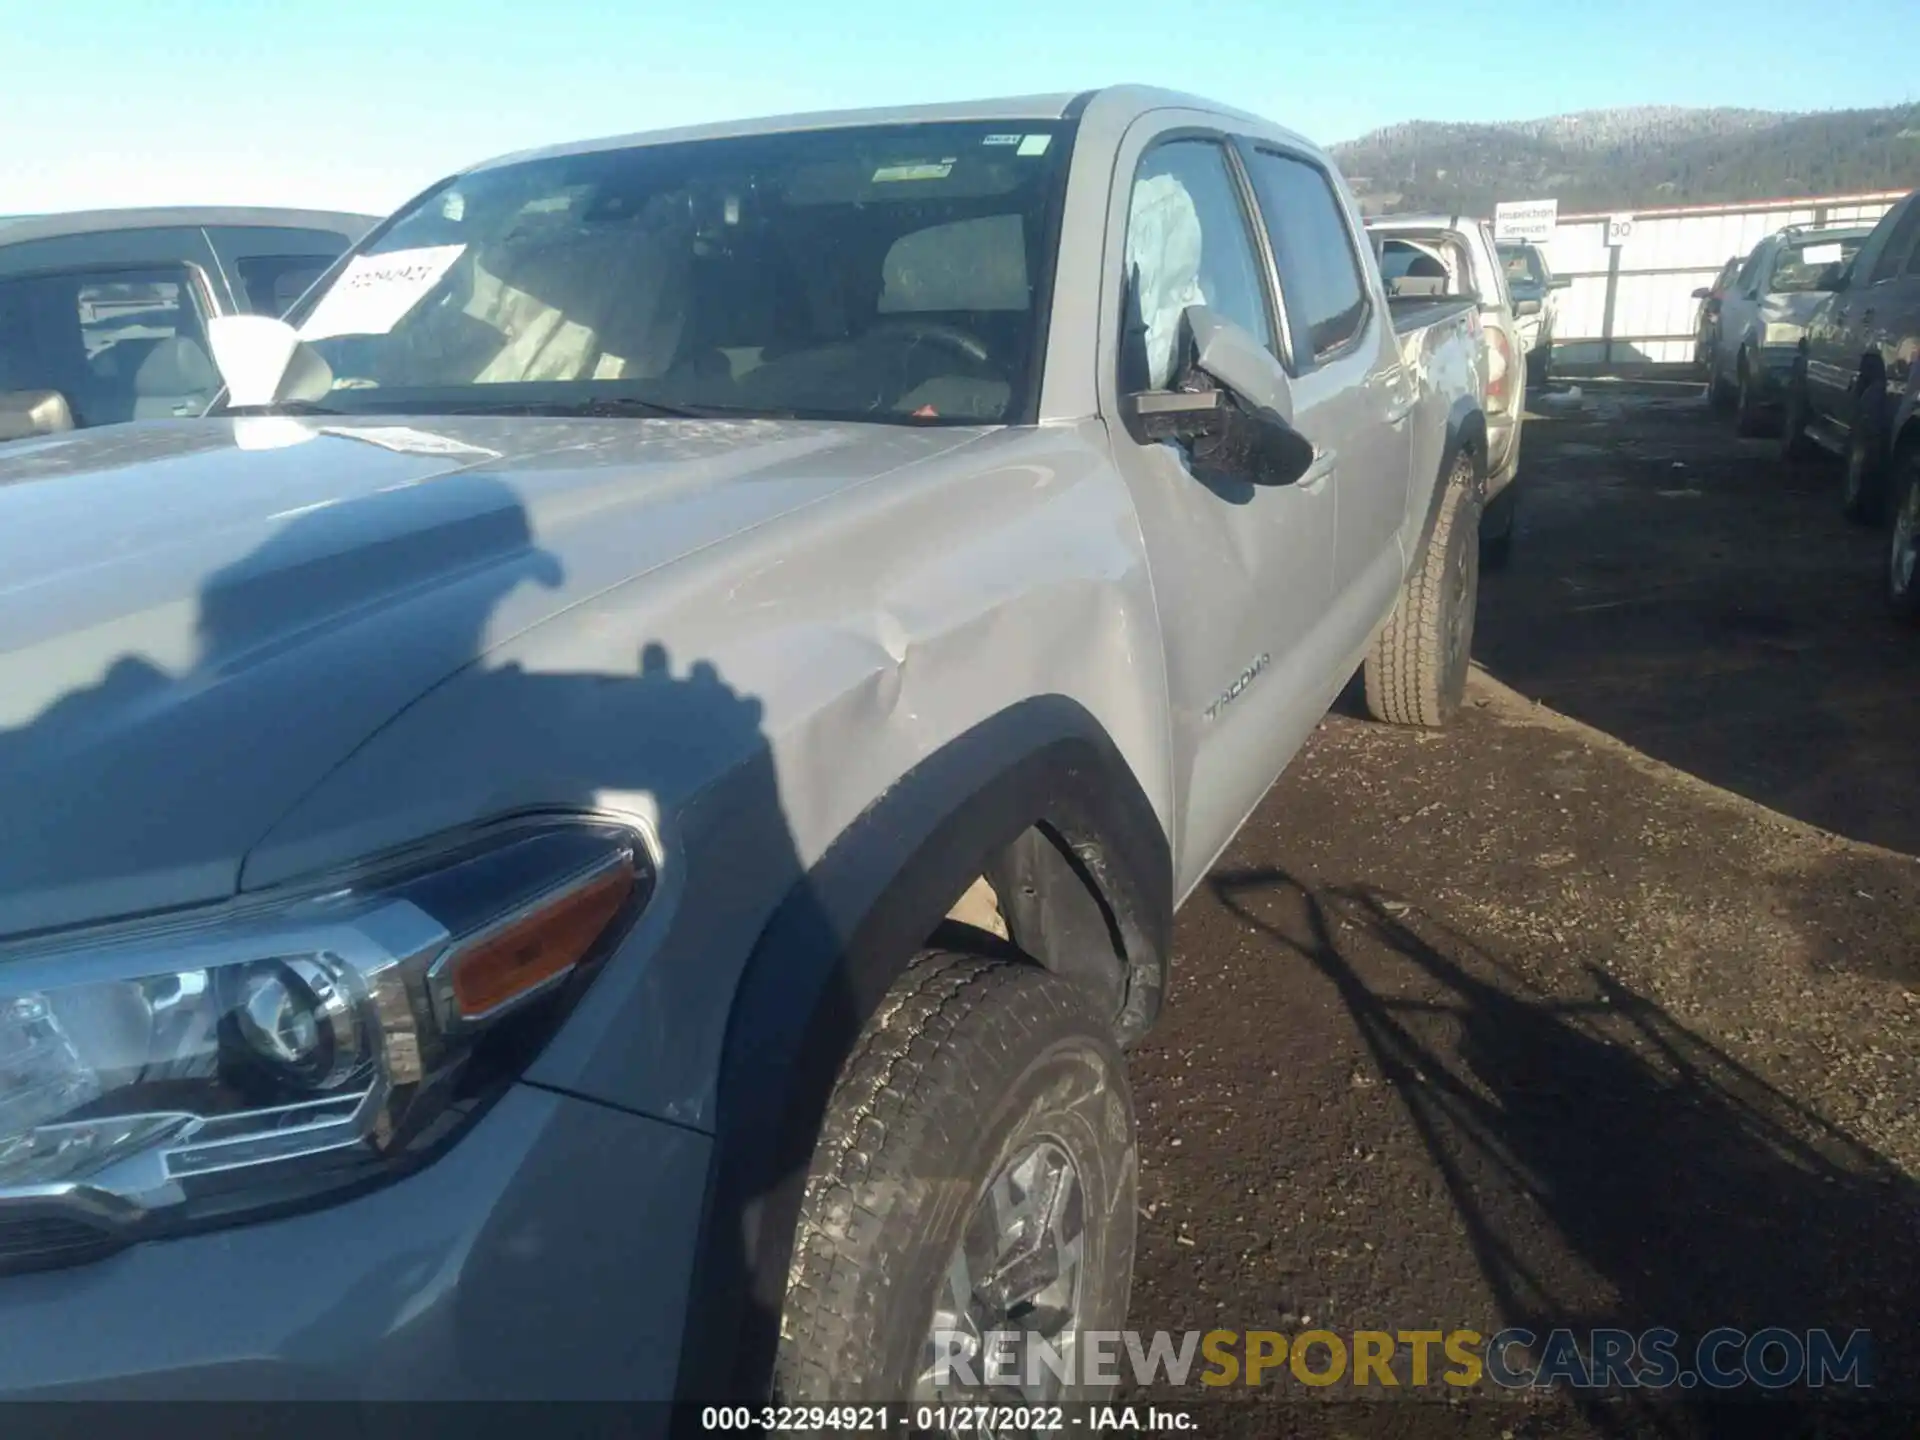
[346, 103]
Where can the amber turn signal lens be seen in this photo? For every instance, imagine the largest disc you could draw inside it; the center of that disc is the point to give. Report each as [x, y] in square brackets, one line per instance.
[528, 953]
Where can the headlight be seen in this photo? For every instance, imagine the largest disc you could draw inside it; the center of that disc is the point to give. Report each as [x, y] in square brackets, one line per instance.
[1783, 333]
[175, 1073]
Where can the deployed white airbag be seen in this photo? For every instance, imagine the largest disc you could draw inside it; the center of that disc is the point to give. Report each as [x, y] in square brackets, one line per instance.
[1163, 255]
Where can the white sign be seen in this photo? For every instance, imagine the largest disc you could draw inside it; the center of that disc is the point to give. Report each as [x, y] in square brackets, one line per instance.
[1619, 229]
[1525, 219]
[1822, 254]
[375, 291]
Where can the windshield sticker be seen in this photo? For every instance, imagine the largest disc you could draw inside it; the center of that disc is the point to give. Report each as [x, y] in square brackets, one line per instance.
[375, 292]
[1820, 255]
[922, 171]
[1001, 140]
[1035, 144]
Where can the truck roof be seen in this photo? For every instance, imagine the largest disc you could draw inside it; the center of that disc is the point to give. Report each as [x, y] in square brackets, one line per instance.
[1109, 110]
[16, 230]
[1423, 222]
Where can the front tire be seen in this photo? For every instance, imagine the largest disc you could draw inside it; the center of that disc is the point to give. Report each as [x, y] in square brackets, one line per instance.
[1903, 558]
[1416, 672]
[977, 1171]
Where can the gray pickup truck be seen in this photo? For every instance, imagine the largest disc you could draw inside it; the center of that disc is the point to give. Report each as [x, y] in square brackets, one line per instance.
[599, 829]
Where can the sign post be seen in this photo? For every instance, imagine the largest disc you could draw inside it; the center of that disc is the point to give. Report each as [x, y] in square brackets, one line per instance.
[1531, 220]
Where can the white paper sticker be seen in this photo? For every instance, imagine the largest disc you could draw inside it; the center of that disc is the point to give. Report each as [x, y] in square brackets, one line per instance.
[405, 440]
[375, 291]
[1821, 254]
[1035, 144]
[913, 172]
[1001, 140]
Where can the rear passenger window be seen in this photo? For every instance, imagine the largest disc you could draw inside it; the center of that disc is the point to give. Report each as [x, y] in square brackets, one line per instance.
[1906, 231]
[273, 282]
[1188, 243]
[118, 344]
[1320, 282]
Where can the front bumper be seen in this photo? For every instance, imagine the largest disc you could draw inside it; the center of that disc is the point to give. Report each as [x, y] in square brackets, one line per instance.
[545, 1256]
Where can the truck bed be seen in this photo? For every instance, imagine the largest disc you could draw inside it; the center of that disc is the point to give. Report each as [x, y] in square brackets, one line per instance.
[1413, 312]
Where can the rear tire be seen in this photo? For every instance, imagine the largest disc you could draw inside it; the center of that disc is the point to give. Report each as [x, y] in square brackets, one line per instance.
[1863, 490]
[1416, 672]
[1722, 396]
[982, 1093]
[1903, 557]
[1497, 526]
[1794, 415]
[1750, 417]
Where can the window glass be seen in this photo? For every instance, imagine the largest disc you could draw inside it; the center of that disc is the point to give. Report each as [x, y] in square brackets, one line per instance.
[271, 283]
[1320, 280]
[856, 273]
[1800, 265]
[1751, 270]
[119, 345]
[1906, 230]
[1187, 244]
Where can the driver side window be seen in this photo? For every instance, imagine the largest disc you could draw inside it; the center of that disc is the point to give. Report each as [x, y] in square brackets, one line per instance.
[1187, 244]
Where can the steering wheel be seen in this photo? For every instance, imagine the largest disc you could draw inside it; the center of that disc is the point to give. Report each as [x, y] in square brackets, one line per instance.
[948, 337]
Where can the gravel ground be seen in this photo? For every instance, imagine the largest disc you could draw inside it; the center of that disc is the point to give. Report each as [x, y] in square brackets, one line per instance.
[1549, 1023]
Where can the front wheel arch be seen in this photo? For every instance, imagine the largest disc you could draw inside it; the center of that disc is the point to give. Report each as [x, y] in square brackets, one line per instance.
[1037, 799]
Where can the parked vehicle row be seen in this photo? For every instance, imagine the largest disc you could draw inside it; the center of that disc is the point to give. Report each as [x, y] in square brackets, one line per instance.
[597, 828]
[1819, 336]
[1455, 255]
[104, 314]
[1536, 307]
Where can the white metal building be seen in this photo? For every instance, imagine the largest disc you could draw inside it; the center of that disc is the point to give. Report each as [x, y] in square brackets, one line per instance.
[1631, 307]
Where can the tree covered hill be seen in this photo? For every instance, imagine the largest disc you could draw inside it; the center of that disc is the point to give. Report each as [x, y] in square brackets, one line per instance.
[1634, 158]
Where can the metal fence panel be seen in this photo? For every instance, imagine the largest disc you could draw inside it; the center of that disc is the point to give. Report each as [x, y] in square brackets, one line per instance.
[1631, 306]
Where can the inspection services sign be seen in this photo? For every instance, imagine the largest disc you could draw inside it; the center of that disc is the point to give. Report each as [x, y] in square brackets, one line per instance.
[1525, 219]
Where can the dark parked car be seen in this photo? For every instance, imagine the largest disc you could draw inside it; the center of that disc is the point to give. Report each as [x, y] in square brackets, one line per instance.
[1852, 388]
[103, 313]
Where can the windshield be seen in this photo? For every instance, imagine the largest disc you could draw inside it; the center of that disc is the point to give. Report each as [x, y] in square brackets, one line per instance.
[1523, 265]
[1800, 265]
[876, 273]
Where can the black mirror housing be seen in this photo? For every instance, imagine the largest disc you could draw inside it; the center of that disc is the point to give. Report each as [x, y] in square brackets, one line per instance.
[1523, 308]
[1222, 434]
[27, 413]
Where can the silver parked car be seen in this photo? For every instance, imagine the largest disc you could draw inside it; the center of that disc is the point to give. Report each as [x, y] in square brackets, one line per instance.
[1763, 317]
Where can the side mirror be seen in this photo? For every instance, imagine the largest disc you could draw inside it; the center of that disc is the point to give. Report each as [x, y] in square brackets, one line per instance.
[1523, 308]
[1832, 277]
[262, 361]
[1244, 428]
[1560, 282]
[1703, 293]
[27, 413]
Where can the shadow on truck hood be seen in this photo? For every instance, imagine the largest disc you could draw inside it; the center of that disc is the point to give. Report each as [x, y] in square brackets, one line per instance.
[199, 620]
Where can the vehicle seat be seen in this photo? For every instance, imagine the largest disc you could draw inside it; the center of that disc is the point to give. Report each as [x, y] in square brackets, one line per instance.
[1424, 275]
[176, 378]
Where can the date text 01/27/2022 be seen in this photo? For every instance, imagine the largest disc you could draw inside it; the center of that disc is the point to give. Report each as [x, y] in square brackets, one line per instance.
[950, 1419]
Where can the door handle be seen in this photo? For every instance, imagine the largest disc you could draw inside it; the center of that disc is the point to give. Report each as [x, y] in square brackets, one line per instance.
[1398, 414]
[1325, 462]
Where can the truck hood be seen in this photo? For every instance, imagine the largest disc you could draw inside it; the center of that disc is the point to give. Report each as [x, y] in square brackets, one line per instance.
[200, 619]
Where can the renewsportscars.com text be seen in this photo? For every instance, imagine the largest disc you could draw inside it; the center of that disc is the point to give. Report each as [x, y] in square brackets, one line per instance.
[1774, 1358]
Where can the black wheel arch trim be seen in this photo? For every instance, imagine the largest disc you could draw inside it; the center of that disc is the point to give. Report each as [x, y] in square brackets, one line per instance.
[1040, 777]
[1466, 430]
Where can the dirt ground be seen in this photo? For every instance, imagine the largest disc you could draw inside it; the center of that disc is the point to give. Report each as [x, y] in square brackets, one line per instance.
[1600, 1010]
